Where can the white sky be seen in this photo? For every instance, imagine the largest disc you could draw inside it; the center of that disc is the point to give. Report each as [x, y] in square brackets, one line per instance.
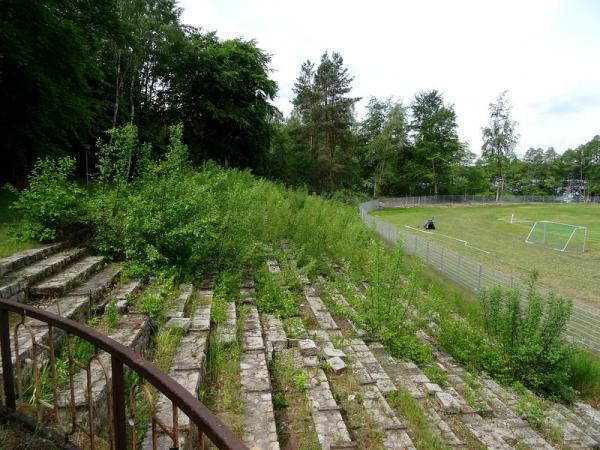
[546, 53]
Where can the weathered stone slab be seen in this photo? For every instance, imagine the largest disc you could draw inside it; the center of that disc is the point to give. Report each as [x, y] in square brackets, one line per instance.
[225, 333]
[370, 363]
[275, 337]
[432, 388]
[43, 268]
[447, 402]
[308, 347]
[69, 277]
[321, 313]
[191, 353]
[201, 319]
[252, 339]
[178, 307]
[331, 352]
[98, 284]
[259, 421]
[179, 322]
[254, 374]
[329, 424]
[26, 257]
[336, 364]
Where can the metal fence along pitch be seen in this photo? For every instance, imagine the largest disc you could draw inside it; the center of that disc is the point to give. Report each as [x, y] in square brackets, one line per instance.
[584, 325]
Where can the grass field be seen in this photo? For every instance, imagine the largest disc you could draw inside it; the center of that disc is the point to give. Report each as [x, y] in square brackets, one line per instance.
[487, 227]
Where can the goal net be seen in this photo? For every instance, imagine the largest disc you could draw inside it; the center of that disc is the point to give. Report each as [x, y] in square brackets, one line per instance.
[558, 236]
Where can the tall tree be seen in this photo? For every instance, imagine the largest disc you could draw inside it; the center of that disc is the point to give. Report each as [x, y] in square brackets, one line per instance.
[327, 114]
[385, 131]
[435, 137]
[499, 140]
[221, 92]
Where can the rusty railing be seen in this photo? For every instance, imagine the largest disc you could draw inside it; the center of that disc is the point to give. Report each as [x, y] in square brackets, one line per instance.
[20, 370]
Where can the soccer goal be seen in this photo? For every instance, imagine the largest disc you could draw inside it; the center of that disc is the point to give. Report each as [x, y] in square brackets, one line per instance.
[558, 236]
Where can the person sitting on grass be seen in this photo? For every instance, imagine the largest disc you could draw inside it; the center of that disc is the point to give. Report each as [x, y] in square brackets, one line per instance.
[429, 225]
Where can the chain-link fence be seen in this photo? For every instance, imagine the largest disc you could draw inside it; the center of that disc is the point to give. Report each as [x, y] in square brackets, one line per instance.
[440, 199]
[584, 326]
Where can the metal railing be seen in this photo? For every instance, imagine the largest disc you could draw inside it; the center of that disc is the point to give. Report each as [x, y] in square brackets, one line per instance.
[583, 327]
[25, 371]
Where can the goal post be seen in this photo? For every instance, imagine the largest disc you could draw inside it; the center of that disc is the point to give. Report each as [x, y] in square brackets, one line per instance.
[563, 237]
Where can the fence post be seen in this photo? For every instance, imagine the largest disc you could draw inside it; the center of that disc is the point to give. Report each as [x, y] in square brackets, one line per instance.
[118, 399]
[479, 280]
[7, 369]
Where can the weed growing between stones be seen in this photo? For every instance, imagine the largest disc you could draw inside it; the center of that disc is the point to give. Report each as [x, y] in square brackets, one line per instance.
[408, 408]
[292, 411]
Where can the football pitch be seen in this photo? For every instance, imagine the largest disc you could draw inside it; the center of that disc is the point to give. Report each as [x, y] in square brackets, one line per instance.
[485, 233]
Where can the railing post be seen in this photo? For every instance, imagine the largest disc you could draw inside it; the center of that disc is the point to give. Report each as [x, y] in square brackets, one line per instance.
[7, 369]
[118, 400]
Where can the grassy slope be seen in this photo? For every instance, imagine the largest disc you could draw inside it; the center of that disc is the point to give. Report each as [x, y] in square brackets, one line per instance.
[574, 275]
[8, 245]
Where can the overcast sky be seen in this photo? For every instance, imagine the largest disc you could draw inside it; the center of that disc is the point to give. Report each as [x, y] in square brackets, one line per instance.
[546, 53]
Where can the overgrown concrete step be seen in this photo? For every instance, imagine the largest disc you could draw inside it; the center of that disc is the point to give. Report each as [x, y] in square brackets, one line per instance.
[177, 309]
[394, 431]
[572, 435]
[349, 312]
[581, 421]
[259, 419]
[187, 368]
[327, 417]
[201, 317]
[319, 310]
[133, 331]
[407, 376]
[226, 331]
[69, 277]
[368, 360]
[588, 413]
[15, 282]
[73, 306]
[27, 257]
[252, 339]
[506, 422]
[275, 337]
[122, 295]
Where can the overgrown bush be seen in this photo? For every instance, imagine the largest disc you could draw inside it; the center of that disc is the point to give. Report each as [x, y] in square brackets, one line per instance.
[51, 201]
[528, 330]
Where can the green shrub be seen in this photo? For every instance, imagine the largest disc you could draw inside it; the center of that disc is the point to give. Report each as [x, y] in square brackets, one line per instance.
[51, 201]
[528, 331]
[272, 297]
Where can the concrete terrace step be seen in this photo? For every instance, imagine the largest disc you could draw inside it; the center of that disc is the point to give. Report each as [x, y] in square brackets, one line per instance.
[69, 277]
[259, 419]
[187, 368]
[504, 403]
[371, 378]
[122, 295]
[27, 257]
[133, 331]
[330, 427]
[74, 306]
[225, 333]
[18, 280]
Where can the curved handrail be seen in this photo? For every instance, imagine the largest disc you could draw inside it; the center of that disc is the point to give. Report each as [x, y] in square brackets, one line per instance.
[198, 413]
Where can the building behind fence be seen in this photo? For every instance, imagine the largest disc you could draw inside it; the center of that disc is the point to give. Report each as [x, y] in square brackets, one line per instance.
[584, 325]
